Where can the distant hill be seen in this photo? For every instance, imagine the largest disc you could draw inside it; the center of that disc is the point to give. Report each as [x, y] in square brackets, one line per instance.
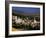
[26, 11]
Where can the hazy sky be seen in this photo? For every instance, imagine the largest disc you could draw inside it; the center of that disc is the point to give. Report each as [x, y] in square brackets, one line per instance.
[25, 10]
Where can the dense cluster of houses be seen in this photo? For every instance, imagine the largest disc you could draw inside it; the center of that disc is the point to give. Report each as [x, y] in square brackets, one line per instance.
[33, 22]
